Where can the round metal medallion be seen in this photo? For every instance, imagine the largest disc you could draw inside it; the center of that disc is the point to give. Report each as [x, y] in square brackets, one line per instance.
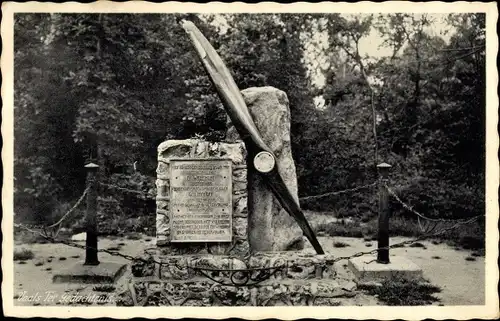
[264, 162]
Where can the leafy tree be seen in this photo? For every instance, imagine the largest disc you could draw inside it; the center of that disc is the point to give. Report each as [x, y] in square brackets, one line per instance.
[110, 87]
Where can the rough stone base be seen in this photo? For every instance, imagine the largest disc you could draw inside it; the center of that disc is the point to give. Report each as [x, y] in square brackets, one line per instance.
[154, 292]
[105, 272]
[296, 278]
[366, 269]
[297, 265]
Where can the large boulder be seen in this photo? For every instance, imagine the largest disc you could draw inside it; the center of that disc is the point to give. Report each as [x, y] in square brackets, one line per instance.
[79, 237]
[270, 227]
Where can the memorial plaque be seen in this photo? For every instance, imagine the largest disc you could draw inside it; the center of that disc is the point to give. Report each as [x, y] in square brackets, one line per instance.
[201, 200]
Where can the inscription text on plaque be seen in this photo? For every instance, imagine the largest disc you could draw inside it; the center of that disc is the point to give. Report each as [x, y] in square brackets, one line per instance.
[200, 200]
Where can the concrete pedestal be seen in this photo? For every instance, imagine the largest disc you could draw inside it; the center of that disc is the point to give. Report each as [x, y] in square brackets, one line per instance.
[105, 272]
[366, 268]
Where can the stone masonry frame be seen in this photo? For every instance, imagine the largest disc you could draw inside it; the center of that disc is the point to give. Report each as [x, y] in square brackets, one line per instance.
[201, 149]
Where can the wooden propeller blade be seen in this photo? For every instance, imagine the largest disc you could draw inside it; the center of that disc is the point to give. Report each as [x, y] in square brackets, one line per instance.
[242, 120]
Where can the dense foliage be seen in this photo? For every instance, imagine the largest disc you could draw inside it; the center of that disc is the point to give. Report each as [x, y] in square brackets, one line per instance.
[109, 88]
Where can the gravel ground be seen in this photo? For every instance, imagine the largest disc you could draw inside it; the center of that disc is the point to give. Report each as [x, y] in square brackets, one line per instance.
[462, 281]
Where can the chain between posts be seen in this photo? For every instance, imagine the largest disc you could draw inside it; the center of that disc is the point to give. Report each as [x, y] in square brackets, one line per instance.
[127, 190]
[338, 192]
[412, 210]
[408, 242]
[52, 239]
[84, 247]
[58, 223]
[358, 254]
[143, 193]
[72, 208]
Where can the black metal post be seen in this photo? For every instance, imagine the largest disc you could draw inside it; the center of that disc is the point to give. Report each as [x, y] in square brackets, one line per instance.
[91, 217]
[383, 215]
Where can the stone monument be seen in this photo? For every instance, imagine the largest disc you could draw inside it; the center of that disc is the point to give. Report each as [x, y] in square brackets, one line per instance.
[209, 202]
[271, 227]
[223, 235]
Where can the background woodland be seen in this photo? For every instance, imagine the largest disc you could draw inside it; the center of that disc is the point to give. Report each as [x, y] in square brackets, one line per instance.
[109, 88]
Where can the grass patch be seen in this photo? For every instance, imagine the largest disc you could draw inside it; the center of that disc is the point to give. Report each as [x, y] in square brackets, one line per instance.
[134, 236]
[351, 229]
[104, 288]
[340, 244]
[478, 253]
[399, 226]
[418, 244]
[469, 242]
[403, 292]
[27, 237]
[23, 254]
[467, 236]
[395, 246]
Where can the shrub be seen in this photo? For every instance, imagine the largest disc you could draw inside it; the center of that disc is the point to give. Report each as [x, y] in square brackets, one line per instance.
[436, 197]
[480, 252]
[348, 229]
[403, 227]
[134, 236]
[468, 236]
[403, 292]
[398, 245]
[471, 242]
[104, 288]
[27, 237]
[340, 244]
[23, 254]
[418, 244]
